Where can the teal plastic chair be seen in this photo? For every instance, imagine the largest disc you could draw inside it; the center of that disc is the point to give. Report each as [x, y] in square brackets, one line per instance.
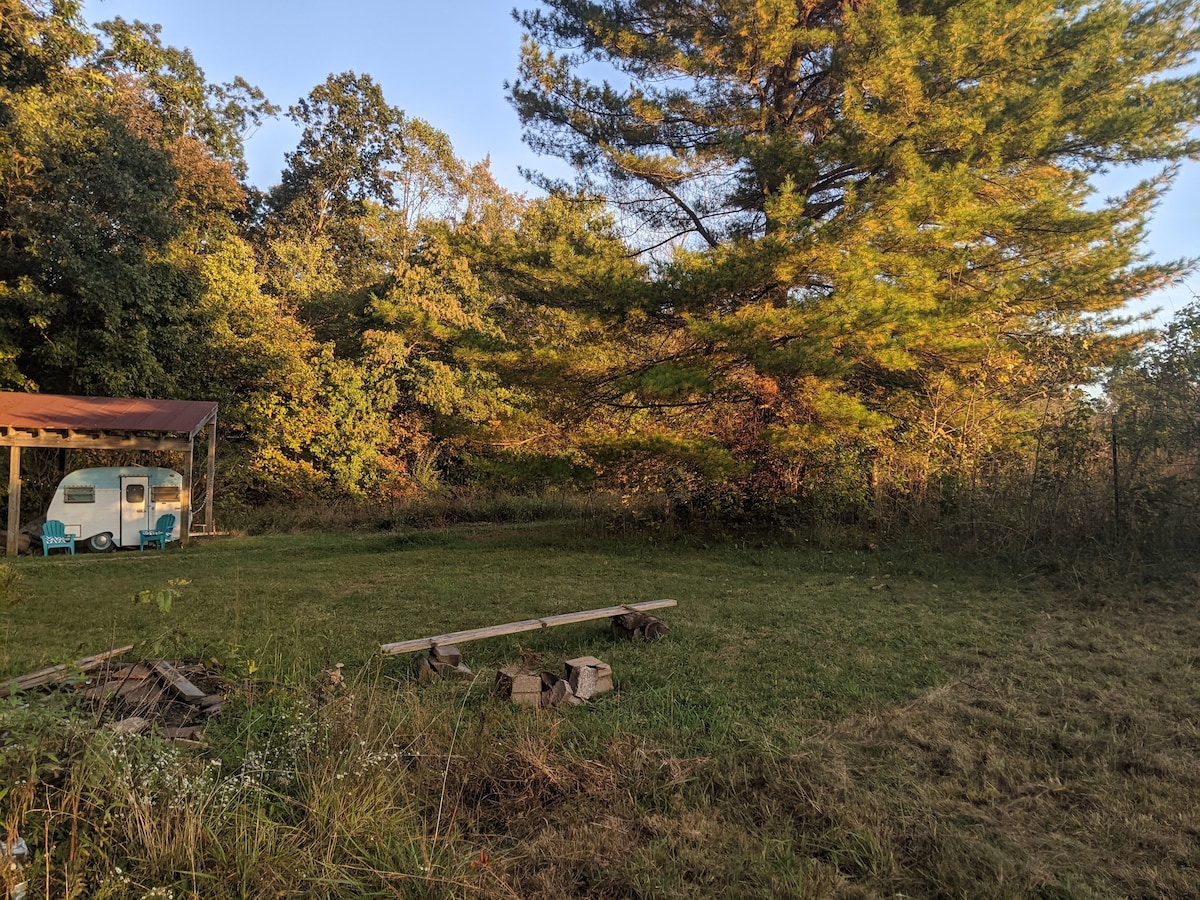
[159, 534]
[54, 536]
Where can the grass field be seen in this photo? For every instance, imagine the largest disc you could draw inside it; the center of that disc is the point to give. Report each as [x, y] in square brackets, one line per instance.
[816, 724]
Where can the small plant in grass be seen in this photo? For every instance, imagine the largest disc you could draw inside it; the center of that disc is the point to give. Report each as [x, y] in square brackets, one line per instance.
[163, 597]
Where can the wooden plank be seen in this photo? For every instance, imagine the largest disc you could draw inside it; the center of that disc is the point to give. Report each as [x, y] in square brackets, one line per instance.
[142, 694]
[60, 672]
[175, 679]
[132, 725]
[35, 679]
[475, 634]
[93, 662]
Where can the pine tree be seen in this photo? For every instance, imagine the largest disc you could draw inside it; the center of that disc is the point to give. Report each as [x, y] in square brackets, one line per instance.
[875, 222]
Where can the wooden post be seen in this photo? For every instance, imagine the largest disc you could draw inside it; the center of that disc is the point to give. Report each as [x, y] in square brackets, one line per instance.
[185, 495]
[14, 500]
[210, 514]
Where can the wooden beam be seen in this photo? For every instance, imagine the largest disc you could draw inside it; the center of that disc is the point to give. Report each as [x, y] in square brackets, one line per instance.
[60, 672]
[209, 420]
[82, 441]
[185, 496]
[14, 501]
[474, 634]
[210, 513]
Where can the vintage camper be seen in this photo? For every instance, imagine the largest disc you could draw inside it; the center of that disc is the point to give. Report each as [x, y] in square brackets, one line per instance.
[105, 508]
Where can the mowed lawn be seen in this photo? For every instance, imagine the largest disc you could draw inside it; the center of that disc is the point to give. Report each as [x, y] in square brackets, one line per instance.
[760, 634]
[815, 724]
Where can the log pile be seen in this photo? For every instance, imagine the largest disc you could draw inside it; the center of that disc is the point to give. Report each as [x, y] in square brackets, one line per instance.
[585, 678]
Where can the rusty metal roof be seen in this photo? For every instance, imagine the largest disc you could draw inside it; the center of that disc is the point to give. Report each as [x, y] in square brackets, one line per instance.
[55, 412]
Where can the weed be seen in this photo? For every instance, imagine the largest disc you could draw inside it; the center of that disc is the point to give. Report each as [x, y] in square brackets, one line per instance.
[164, 597]
[11, 581]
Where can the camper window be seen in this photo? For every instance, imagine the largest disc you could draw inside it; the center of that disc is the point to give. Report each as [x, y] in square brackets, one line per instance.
[79, 493]
[164, 493]
[135, 493]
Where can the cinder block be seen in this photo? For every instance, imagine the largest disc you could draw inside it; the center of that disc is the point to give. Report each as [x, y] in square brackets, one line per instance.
[446, 670]
[527, 690]
[522, 686]
[604, 676]
[559, 694]
[583, 681]
[446, 653]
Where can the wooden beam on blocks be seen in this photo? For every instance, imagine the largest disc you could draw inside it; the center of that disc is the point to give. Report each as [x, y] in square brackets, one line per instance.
[475, 634]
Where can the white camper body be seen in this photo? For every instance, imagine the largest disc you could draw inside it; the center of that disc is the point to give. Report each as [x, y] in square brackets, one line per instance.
[107, 507]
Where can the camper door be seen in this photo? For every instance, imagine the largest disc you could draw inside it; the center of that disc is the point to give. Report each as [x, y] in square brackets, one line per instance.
[135, 508]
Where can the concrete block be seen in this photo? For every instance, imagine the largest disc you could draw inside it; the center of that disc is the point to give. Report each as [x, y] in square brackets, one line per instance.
[604, 676]
[446, 653]
[559, 694]
[447, 670]
[527, 690]
[583, 682]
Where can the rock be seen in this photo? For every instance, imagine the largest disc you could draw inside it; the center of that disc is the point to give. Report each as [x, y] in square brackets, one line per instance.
[132, 725]
[423, 669]
[23, 542]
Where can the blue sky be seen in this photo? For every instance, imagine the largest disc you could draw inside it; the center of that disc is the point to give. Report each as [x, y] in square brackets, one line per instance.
[446, 61]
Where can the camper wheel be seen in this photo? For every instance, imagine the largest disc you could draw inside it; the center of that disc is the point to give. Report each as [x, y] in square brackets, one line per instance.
[101, 543]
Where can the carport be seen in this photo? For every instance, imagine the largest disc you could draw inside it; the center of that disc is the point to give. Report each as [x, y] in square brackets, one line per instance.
[107, 423]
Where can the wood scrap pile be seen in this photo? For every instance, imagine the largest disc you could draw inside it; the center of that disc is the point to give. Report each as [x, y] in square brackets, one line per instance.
[175, 697]
[586, 677]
